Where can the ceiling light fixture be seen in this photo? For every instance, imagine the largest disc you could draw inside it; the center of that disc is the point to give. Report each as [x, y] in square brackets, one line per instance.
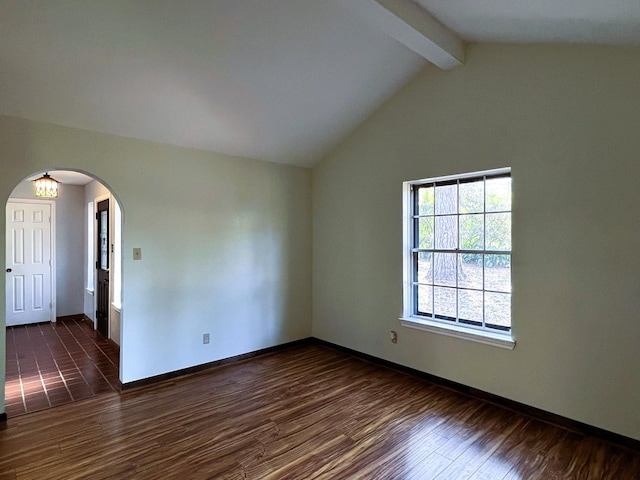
[46, 187]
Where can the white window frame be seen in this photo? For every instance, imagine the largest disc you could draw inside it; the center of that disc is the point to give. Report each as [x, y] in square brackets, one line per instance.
[410, 318]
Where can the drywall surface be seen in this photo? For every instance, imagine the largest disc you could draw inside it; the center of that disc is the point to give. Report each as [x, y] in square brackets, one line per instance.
[69, 244]
[225, 243]
[567, 120]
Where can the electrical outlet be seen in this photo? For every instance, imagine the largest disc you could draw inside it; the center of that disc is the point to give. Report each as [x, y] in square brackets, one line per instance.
[137, 254]
[205, 338]
[393, 336]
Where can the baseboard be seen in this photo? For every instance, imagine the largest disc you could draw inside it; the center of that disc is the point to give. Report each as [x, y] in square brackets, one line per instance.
[205, 366]
[542, 415]
[79, 317]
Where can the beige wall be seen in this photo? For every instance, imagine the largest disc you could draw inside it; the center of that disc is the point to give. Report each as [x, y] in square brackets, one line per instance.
[567, 120]
[225, 243]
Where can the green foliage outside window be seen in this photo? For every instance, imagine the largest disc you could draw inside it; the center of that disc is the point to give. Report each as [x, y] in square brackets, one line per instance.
[475, 225]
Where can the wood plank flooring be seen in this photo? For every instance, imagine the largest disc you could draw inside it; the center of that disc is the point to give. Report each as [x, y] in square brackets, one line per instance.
[51, 364]
[306, 412]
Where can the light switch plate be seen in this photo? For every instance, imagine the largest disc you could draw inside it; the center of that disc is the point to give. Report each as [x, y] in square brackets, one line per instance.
[137, 254]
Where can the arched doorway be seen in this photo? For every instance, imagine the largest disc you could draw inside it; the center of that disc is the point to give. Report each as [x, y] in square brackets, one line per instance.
[63, 359]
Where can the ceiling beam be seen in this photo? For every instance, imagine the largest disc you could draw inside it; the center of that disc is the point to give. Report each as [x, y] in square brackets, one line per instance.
[416, 28]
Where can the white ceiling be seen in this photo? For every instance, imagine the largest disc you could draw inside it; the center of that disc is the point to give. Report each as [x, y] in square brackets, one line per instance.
[66, 177]
[278, 80]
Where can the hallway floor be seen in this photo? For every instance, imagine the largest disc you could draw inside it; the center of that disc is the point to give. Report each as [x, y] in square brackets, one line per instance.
[51, 364]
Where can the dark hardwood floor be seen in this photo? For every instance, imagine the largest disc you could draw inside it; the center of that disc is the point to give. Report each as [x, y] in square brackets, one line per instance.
[306, 412]
[50, 364]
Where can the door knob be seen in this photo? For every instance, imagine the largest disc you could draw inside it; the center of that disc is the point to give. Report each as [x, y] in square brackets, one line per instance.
[9, 270]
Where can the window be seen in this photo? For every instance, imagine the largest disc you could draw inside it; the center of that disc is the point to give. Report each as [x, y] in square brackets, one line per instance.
[457, 261]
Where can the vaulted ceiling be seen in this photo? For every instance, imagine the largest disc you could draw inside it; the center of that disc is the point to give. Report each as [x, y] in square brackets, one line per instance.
[277, 80]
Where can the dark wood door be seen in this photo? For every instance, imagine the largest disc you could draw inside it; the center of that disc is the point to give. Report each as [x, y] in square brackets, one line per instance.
[102, 266]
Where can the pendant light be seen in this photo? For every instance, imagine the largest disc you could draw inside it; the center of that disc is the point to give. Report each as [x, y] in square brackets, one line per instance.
[46, 187]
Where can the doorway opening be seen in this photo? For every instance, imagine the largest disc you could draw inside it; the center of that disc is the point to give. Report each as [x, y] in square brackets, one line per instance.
[63, 293]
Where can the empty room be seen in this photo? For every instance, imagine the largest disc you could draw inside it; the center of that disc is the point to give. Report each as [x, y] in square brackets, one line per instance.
[347, 239]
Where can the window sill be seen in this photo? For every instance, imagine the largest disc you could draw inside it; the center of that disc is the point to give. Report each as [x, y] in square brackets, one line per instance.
[480, 336]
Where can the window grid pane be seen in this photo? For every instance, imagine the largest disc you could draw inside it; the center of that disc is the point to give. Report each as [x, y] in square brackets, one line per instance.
[462, 251]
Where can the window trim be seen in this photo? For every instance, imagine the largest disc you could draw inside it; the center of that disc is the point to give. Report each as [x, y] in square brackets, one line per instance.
[411, 320]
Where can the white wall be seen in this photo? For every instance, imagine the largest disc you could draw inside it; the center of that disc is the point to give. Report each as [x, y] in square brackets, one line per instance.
[567, 120]
[69, 247]
[225, 243]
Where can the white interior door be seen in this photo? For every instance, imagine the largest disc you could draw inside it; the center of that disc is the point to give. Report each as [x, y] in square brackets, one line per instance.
[28, 259]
